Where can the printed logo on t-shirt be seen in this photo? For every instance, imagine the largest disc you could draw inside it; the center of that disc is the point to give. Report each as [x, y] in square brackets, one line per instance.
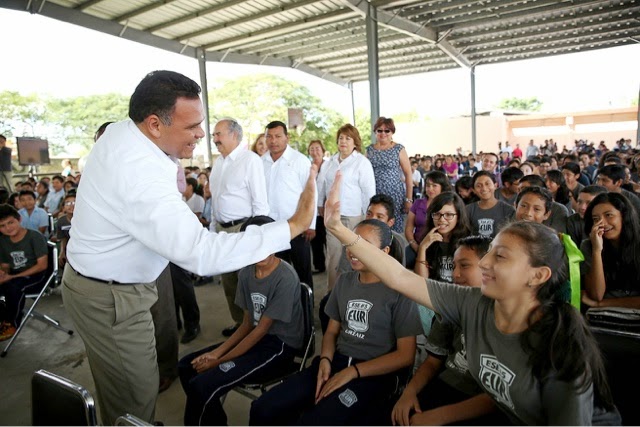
[459, 361]
[496, 378]
[358, 317]
[227, 366]
[259, 304]
[348, 398]
[19, 259]
[485, 226]
[446, 269]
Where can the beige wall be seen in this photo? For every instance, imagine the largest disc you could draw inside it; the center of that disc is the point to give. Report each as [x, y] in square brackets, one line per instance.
[445, 135]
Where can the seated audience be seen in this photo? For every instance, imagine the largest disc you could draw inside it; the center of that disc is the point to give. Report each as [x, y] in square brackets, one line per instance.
[266, 341]
[366, 351]
[534, 204]
[559, 213]
[489, 214]
[23, 264]
[611, 267]
[575, 223]
[54, 198]
[612, 177]
[509, 190]
[571, 173]
[32, 217]
[442, 391]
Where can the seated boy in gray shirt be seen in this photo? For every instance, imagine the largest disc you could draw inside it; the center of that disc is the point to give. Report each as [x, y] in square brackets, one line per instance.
[263, 345]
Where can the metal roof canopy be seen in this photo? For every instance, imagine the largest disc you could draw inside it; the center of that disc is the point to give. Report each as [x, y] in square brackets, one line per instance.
[333, 39]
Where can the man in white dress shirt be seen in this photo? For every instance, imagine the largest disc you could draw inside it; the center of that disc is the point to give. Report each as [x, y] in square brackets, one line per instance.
[238, 192]
[129, 222]
[286, 171]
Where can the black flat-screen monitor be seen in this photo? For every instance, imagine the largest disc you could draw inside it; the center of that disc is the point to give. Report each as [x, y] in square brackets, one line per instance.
[32, 151]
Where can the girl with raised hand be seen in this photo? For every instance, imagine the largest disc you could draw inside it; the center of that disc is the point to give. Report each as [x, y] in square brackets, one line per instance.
[447, 222]
[528, 349]
[367, 350]
[611, 267]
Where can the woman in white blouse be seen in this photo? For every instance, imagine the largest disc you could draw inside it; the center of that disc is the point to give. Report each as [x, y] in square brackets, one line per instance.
[358, 186]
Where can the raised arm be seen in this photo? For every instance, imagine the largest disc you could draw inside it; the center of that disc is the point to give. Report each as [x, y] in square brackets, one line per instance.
[306, 210]
[390, 271]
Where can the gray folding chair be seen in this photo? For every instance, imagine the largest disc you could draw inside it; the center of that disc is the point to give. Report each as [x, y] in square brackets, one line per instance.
[50, 280]
[57, 401]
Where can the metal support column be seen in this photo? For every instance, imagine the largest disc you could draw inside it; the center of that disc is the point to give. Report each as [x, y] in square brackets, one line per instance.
[353, 104]
[473, 110]
[638, 119]
[202, 65]
[372, 62]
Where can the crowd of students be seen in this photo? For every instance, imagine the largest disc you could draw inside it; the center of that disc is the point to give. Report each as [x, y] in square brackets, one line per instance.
[483, 246]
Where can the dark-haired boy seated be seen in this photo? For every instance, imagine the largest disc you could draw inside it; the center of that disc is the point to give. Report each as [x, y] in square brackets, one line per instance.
[31, 216]
[272, 329]
[23, 263]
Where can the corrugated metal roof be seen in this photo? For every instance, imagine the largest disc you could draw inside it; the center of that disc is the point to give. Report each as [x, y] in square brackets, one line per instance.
[327, 38]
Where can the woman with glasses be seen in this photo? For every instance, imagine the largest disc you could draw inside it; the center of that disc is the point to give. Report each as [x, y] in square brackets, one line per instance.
[447, 223]
[392, 169]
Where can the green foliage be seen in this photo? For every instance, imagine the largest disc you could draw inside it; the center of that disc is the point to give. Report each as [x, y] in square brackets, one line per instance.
[521, 104]
[256, 100]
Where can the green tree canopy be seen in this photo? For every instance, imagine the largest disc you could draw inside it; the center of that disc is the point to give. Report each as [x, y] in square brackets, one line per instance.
[521, 104]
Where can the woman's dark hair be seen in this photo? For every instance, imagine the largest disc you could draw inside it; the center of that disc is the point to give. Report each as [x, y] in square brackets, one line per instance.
[478, 244]
[437, 177]
[157, 94]
[562, 195]
[462, 228]
[465, 183]
[386, 237]
[256, 220]
[11, 201]
[511, 175]
[479, 175]
[629, 235]
[558, 340]
[8, 211]
[543, 193]
[386, 121]
[196, 187]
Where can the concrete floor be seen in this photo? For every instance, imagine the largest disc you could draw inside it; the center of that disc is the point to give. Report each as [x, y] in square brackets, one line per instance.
[40, 346]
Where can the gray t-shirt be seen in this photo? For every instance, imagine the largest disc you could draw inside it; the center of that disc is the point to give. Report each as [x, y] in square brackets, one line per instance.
[487, 222]
[24, 254]
[63, 226]
[447, 341]
[276, 296]
[508, 200]
[633, 198]
[500, 365]
[558, 218]
[372, 317]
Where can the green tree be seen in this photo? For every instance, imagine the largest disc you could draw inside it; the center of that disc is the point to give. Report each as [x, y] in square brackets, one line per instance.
[22, 115]
[521, 104]
[256, 100]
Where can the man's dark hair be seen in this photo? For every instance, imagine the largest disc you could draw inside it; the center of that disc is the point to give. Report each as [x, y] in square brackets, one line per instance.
[58, 178]
[277, 123]
[511, 175]
[534, 181]
[7, 211]
[386, 201]
[26, 193]
[614, 172]
[594, 190]
[545, 159]
[572, 167]
[70, 195]
[157, 94]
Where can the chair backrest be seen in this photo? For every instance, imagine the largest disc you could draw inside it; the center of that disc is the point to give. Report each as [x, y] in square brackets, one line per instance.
[131, 420]
[56, 401]
[306, 297]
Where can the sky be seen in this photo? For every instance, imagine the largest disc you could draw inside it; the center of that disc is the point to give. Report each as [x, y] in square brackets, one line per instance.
[46, 56]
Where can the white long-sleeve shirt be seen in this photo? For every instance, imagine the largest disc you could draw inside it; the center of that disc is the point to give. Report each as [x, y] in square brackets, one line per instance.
[286, 179]
[238, 189]
[358, 183]
[130, 220]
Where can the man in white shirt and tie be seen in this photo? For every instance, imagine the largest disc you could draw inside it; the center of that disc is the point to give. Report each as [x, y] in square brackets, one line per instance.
[129, 222]
[238, 192]
[286, 171]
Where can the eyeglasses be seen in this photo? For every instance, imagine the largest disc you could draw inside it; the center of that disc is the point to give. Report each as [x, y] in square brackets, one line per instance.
[447, 215]
[383, 130]
[69, 203]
